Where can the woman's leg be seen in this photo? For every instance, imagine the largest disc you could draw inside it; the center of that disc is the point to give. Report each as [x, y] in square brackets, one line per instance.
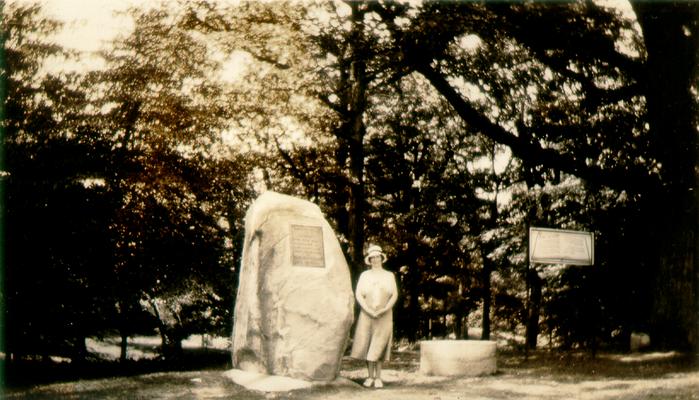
[371, 366]
[377, 375]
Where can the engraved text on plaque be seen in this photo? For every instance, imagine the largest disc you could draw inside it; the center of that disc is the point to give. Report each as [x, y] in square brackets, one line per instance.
[307, 246]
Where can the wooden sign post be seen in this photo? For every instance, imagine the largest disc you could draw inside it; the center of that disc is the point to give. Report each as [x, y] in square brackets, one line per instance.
[555, 246]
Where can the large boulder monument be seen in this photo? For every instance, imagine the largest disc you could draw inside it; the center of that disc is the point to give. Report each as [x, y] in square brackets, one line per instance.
[295, 305]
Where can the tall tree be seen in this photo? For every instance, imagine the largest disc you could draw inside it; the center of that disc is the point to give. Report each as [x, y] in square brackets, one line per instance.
[561, 85]
[118, 187]
[50, 211]
[330, 56]
[180, 191]
[671, 39]
[422, 202]
[595, 109]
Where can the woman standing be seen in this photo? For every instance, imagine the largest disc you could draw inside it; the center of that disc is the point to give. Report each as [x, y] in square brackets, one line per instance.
[376, 294]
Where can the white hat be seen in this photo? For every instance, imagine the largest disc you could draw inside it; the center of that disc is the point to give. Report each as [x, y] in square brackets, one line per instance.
[374, 251]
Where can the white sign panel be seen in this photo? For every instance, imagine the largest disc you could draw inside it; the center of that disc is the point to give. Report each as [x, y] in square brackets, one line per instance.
[557, 246]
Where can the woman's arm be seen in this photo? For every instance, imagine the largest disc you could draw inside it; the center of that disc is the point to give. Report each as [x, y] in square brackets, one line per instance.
[359, 295]
[391, 300]
[362, 303]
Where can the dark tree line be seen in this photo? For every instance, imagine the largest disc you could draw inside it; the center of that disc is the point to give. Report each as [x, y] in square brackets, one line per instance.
[121, 214]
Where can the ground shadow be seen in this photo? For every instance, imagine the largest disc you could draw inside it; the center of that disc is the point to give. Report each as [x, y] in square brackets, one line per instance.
[576, 365]
[22, 373]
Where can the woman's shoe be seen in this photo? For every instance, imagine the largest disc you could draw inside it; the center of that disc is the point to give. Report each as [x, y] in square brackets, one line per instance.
[368, 382]
[378, 384]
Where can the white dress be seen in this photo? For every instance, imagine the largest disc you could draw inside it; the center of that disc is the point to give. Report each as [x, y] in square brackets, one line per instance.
[373, 336]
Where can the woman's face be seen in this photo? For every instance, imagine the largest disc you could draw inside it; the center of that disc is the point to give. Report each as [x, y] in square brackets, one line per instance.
[375, 261]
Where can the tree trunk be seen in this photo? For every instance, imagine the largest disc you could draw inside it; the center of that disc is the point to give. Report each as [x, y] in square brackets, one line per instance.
[171, 343]
[124, 346]
[458, 325]
[124, 330]
[487, 298]
[356, 131]
[350, 143]
[413, 305]
[674, 309]
[80, 350]
[341, 196]
[487, 247]
[461, 314]
[533, 309]
[671, 36]
[170, 340]
[409, 317]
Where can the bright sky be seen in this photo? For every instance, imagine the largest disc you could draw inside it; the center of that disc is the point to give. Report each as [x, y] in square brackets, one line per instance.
[89, 23]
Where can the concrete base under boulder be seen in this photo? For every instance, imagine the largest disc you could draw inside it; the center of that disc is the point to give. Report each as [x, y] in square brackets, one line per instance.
[457, 357]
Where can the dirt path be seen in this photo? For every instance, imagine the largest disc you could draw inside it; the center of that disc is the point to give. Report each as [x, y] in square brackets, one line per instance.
[399, 385]
[544, 377]
[511, 386]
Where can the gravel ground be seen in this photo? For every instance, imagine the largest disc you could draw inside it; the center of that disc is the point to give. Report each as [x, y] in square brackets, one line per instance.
[541, 376]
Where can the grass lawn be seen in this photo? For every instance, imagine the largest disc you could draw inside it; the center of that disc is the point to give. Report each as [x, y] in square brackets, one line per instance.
[542, 375]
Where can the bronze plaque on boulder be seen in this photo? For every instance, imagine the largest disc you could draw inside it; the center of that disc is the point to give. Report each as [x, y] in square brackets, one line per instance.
[307, 246]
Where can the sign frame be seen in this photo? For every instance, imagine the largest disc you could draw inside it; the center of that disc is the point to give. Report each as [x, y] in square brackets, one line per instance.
[562, 246]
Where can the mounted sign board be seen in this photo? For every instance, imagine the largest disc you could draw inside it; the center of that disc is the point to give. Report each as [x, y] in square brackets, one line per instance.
[557, 246]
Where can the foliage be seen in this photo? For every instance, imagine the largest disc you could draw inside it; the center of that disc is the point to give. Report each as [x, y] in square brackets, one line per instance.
[181, 192]
[49, 214]
[566, 98]
[118, 189]
[576, 97]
